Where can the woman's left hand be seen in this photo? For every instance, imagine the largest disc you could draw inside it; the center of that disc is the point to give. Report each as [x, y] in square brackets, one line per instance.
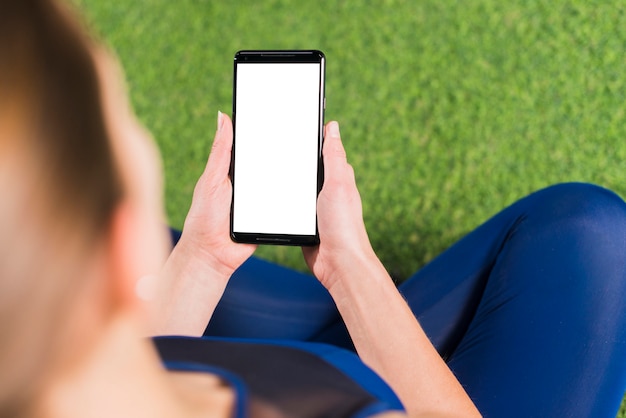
[196, 273]
[206, 234]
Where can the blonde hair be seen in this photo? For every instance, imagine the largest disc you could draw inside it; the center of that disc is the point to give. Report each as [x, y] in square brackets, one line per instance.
[58, 181]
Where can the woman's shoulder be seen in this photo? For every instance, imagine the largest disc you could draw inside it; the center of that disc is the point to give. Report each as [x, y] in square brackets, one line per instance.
[293, 376]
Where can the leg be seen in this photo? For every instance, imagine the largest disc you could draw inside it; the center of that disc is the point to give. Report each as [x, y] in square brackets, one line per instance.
[264, 300]
[529, 309]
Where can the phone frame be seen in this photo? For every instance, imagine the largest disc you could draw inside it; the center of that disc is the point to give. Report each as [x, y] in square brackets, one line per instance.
[279, 56]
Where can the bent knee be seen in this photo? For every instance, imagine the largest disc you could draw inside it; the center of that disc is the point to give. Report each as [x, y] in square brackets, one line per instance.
[586, 207]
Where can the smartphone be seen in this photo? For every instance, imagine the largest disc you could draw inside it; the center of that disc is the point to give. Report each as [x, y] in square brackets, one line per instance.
[276, 166]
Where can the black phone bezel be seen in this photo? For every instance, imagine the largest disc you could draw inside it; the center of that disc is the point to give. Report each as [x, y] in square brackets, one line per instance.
[278, 56]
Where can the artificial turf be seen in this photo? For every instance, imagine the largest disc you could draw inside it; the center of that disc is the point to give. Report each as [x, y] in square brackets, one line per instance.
[449, 110]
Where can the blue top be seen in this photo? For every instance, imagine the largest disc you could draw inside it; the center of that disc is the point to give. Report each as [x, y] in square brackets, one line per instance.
[295, 378]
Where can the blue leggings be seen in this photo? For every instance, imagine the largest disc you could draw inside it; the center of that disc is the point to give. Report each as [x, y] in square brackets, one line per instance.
[528, 310]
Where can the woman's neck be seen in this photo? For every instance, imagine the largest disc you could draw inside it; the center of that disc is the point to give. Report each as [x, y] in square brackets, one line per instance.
[122, 376]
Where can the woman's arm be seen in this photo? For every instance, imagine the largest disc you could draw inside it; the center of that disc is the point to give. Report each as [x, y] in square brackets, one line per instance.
[198, 269]
[384, 330]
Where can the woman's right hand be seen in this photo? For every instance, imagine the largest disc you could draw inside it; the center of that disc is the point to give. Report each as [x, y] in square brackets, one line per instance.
[343, 238]
[368, 300]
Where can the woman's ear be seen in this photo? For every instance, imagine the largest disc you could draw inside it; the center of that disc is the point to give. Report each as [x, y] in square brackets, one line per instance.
[138, 246]
[124, 252]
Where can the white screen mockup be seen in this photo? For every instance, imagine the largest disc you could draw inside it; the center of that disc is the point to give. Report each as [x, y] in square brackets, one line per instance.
[276, 148]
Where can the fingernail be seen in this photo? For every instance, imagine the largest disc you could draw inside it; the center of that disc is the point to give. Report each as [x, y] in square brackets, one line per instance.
[220, 120]
[333, 128]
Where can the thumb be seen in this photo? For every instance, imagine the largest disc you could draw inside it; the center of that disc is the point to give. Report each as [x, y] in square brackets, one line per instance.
[337, 171]
[333, 148]
[219, 158]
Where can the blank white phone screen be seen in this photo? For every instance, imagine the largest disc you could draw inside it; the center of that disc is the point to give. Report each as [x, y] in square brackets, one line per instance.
[276, 148]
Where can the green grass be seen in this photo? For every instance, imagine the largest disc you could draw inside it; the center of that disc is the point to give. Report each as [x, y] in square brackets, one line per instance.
[449, 110]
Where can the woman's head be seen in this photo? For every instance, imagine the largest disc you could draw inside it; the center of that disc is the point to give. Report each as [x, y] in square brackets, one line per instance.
[71, 159]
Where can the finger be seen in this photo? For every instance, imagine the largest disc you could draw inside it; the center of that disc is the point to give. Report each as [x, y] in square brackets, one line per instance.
[219, 158]
[333, 148]
[336, 167]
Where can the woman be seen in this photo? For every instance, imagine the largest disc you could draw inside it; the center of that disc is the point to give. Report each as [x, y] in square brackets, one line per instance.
[526, 310]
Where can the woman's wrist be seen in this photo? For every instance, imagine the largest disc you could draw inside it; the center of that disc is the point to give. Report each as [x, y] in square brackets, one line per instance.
[192, 260]
[188, 290]
[350, 269]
